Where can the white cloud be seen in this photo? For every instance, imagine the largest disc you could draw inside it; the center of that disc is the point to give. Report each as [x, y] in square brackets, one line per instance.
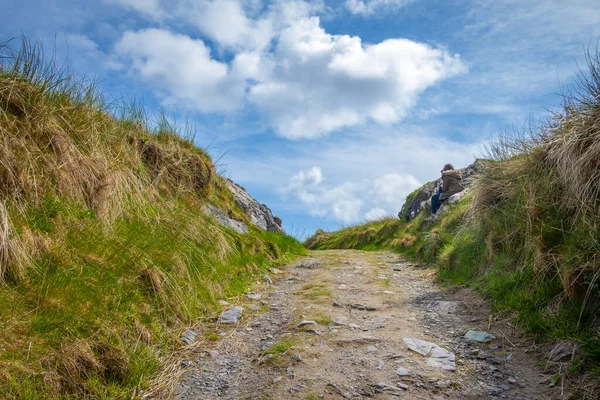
[226, 22]
[321, 83]
[307, 84]
[338, 202]
[368, 7]
[182, 67]
[347, 201]
[391, 187]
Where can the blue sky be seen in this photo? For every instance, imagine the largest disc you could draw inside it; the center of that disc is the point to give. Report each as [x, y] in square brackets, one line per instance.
[330, 112]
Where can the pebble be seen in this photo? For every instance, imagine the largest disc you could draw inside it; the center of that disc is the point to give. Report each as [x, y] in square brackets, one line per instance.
[277, 379]
[384, 387]
[402, 372]
[437, 356]
[493, 390]
[363, 307]
[371, 349]
[189, 337]
[268, 279]
[254, 296]
[231, 316]
[443, 384]
[306, 323]
[479, 336]
[339, 320]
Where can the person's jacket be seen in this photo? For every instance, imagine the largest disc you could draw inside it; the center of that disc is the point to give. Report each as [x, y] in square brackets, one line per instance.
[451, 183]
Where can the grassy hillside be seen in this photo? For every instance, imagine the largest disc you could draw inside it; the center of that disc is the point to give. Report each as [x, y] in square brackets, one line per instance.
[105, 256]
[528, 233]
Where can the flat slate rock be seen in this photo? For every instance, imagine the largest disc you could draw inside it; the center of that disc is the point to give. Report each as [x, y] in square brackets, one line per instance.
[363, 307]
[189, 337]
[306, 323]
[562, 352]
[479, 336]
[381, 319]
[231, 316]
[222, 218]
[437, 356]
[384, 387]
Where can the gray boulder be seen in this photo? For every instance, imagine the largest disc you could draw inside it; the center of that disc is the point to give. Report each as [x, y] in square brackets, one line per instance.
[259, 214]
[222, 218]
[420, 199]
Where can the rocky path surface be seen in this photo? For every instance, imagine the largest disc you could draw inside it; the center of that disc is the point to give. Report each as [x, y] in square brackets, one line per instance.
[353, 325]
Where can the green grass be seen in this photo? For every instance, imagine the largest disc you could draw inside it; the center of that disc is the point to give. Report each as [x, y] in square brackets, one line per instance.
[280, 347]
[106, 255]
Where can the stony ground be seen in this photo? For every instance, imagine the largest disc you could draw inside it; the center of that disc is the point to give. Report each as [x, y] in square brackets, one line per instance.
[338, 325]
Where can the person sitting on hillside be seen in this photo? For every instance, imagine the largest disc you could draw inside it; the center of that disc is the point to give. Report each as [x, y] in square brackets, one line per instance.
[451, 184]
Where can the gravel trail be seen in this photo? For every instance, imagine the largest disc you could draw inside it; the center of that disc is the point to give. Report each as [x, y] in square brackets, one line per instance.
[353, 325]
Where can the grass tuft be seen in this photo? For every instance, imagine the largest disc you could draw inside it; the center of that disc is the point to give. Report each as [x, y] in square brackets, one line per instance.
[105, 255]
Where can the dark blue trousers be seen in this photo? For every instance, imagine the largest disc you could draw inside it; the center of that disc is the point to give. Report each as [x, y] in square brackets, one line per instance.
[434, 201]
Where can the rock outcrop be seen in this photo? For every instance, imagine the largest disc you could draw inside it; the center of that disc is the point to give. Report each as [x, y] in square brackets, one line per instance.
[222, 218]
[259, 214]
[417, 200]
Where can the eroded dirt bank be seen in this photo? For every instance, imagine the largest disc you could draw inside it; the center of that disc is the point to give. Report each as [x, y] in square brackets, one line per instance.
[341, 324]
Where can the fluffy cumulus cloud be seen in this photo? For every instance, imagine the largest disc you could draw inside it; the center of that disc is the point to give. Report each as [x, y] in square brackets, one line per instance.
[368, 7]
[183, 68]
[282, 63]
[350, 201]
[320, 83]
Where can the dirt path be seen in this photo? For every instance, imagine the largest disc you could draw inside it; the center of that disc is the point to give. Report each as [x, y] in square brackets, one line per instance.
[363, 306]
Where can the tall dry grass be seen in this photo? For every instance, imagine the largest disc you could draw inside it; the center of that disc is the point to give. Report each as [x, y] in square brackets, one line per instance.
[550, 176]
[59, 138]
